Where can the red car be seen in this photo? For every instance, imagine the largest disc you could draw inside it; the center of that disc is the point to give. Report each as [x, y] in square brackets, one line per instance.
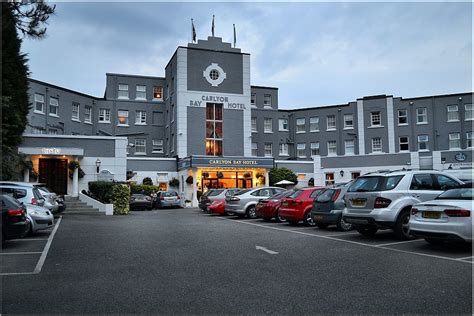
[217, 207]
[297, 206]
[268, 208]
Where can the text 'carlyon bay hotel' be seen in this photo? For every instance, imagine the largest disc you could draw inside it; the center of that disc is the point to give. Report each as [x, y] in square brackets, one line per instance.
[204, 119]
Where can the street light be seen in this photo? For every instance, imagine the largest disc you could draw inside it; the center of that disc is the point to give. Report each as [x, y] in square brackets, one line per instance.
[97, 164]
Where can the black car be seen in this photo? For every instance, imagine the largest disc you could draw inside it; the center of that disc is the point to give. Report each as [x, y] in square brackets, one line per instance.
[15, 224]
[141, 202]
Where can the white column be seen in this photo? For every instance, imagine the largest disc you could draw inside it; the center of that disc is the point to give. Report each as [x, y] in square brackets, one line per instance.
[437, 165]
[75, 182]
[415, 160]
[318, 171]
[391, 126]
[195, 202]
[360, 126]
[26, 175]
[267, 178]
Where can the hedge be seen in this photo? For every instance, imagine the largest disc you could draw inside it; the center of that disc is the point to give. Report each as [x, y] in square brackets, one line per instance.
[101, 190]
[121, 199]
[278, 174]
[145, 189]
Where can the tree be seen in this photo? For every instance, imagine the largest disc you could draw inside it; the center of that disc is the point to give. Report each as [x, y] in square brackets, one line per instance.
[31, 18]
[279, 174]
[147, 181]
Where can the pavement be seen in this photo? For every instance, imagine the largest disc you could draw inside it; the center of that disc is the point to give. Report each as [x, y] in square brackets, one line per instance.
[181, 261]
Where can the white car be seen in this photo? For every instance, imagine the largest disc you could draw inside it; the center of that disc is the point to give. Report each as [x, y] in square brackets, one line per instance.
[40, 217]
[446, 218]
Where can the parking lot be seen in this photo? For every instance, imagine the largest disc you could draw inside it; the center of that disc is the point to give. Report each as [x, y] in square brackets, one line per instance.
[185, 261]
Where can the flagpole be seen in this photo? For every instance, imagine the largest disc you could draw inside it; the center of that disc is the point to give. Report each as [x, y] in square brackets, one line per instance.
[191, 30]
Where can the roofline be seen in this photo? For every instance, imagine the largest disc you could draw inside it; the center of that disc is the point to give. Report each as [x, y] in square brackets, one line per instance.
[134, 76]
[315, 107]
[263, 87]
[437, 95]
[65, 89]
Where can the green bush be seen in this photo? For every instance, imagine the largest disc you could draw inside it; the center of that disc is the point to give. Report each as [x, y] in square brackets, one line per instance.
[198, 194]
[174, 182]
[279, 174]
[147, 181]
[120, 197]
[143, 189]
[101, 190]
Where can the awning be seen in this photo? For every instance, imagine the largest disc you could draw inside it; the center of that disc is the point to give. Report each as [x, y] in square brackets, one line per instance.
[51, 151]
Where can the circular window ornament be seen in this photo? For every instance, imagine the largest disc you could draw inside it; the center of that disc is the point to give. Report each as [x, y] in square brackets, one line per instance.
[214, 74]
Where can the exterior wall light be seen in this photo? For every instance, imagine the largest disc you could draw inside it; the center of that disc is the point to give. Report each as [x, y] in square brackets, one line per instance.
[97, 164]
[341, 173]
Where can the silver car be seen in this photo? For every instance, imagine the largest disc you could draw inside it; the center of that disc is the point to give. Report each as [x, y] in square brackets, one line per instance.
[40, 218]
[23, 192]
[243, 203]
[213, 195]
[50, 199]
[384, 199]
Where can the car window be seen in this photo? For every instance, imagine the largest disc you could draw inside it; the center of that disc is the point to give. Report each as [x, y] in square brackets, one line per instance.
[446, 183]
[325, 195]
[276, 191]
[265, 192]
[422, 182]
[392, 182]
[295, 194]
[215, 192]
[457, 194]
[37, 194]
[244, 191]
[365, 184]
[169, 194]
[315, 194]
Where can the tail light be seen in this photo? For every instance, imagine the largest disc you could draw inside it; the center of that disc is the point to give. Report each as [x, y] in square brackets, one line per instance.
[34, 201]
[177, 196]
[458, 213]
[17, 212]
[234, 198]
[336, 195]
[162, 198]
[414, 211]
[381, 202]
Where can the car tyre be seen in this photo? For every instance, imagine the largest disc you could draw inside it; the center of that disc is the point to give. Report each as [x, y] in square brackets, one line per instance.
[279, 219]
[292, 222]
[251, 213]
[266, 219]
[367, 230]
[402, 230]
[308, 219]
[343, 226]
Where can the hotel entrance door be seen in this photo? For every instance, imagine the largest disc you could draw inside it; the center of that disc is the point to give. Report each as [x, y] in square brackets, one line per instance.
[53, 172]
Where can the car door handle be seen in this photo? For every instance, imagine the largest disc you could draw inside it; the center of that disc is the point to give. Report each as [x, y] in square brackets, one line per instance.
[415, 195]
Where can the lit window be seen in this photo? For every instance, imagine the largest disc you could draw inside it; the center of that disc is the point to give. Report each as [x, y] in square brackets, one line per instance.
[254, 124]
[348, 121]
[267, 100]
[283, 124]
[104, 115]
[301, 125]
[315, 149]
[283, 149]
[268, 149]
[140, 118]
[402, 117]
[88, 114]
[332, 148]
[39, 103]
[453, 113]
[53, 107]
[331, 122]
[75, 111]
[267, 125]
[423, 142]
[140, 146]
[349, 147]
[469, 139]
[253, 99]
[376, 145]
[122, 118]
[214, 129]
[469, 112]
[454, 141]
[301, 150]
[314, 124]
[375, 119]
[301, 176]
[403, 142]
[329, 178]
[157, 146]
[158, 93]
[254, 149]
[421, 116]
[140, 93]
[123, 91]
[355, 175]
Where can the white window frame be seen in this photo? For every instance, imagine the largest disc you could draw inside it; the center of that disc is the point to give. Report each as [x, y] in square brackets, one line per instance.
[52, 131]
[282, 123]
[88, 114]
[373, 119]
[469, 140]
[39, 99]
[54, 105]
[105, 115]
[283, 150]
[122, 89]
[328, 120]
[267, 97]
[253, 122]
[157, 146]
[314, 124]
[140, 89]
[347, 145]
[349, 117]
[402, 116]
[332, 150]
[453, 110]
[253, 99]
[314, 146]
[267, 125]
[300, 125]
[423, 114]
[155, 88]
[377, 145]
[468, 108]
[75, 117]
[124, 114]
[254, 151]
[268, 150]
[454, 141]
[301, 150]
[400, 143]
[427, 142]
[142, 145]
[140, 117]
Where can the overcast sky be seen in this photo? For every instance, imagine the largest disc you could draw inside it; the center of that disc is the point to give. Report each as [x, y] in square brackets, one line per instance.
[315, 53]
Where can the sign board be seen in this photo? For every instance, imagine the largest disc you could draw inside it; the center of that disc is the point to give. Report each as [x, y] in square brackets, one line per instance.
[105, 175]
[223, 162]
[51, 151]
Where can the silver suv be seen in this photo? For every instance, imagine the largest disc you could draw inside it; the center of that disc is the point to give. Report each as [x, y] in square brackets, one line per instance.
[384, 199]
[244, 202]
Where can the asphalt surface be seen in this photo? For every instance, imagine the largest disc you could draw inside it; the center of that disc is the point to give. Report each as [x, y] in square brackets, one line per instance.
[183, 261]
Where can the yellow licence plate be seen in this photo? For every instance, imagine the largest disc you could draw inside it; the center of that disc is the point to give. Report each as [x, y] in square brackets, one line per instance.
[431, 215]
[358, 202]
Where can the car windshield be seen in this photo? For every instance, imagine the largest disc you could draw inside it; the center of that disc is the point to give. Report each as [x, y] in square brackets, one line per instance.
[326, 196]
[457, 194]
[375, 183]
[169, 194]
[214, 192]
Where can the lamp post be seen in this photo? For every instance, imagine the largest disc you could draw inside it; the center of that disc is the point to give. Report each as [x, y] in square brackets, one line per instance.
[97, 164]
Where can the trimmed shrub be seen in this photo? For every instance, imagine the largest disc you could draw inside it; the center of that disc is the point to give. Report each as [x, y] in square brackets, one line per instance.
[143, 189]
[174, 182]
[120, 197]
[279, 174]
[101, 190]
[147, 181]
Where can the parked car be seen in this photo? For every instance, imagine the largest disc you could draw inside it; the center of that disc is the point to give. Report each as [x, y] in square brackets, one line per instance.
[59, 199]
[51, 199]
[446, 218]
[383, 200]
[269, 208]
[167, 199]
[297, 206]
[212, 195]
[40, 218]
[328, 207]
[15, 223]
[27, 194]
[141, 202]
[243, 202]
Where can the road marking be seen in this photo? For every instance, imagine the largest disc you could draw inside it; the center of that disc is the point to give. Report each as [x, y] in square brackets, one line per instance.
[16, 273]
[41, 260]
[19, 253]
[342, 234]
[349, 241]
[266, 250]
[27, 239]
[399, 242]
[465, 258]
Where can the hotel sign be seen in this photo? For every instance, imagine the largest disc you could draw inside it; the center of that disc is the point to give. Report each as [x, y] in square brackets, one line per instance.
[223, 162]
[200, 101]
[51, 151]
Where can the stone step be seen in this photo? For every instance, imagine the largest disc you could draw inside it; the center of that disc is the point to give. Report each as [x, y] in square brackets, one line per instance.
[94, 213]
[82, 208]
[76, 204]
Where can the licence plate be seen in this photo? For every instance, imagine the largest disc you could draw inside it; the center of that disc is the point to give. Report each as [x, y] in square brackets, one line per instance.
[431, 215]
[358, 202]
[285, 204]
[316, 217]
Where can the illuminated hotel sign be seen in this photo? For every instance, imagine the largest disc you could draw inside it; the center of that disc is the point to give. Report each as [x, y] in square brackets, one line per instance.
[201, 161]
[51, 151]
[228, 104]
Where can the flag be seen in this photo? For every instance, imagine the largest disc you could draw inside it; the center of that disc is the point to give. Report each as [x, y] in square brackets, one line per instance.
[193, 31]
[212, 25]
[235, 36]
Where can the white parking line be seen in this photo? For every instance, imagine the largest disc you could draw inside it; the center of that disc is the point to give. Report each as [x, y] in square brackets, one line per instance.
[349, 241]
[342, 234]
[465, 258]
[19, 253]
[41, 260]
[399, 242]
[27, 239]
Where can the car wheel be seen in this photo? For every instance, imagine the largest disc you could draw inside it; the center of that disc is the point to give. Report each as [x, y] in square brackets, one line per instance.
[251, 213]
[308, 219]
[434, 241]
[321, 225]
[343, 226]
[367, 230]
[402, 230]
[279, 219]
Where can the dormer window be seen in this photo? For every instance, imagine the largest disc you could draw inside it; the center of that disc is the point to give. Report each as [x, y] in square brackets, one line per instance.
[123, 91]
[140, 93]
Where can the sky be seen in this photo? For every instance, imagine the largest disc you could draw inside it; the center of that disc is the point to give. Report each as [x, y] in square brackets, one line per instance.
[315, 53]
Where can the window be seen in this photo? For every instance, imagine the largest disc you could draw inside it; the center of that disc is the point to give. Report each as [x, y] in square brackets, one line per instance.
[301, 150]
[253, 99]
[332, 148]
[140, 146]
[140, 93]
[300, 125]
[38, 130]
[423, 142]
[376, 145]
[375, 119]
[214, 129]
[39, 103]
[53, 131]
[283, 149]
[267, 125]
[157, 93]
[314, 149]
[122, 118]
[469, 139]
[453, 113]
[355, 175]
[329, 178]
[104, 115]
[172, 143]
[53, 107]
[268, 150]
[157, 147]
[469, 110]
[283, 124]
[349, 146]
[403, 143]
[88, 114]
[172, 112]
[254, 124]
[446, 183]
[454, 141]
[402, 117]
[254, 149]
[267, 100]
[140, 118]
[123, 91]
[75, 111]
[331, 122]
[314, 124]
[422, 182]
[421, 116]
[348, 121]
